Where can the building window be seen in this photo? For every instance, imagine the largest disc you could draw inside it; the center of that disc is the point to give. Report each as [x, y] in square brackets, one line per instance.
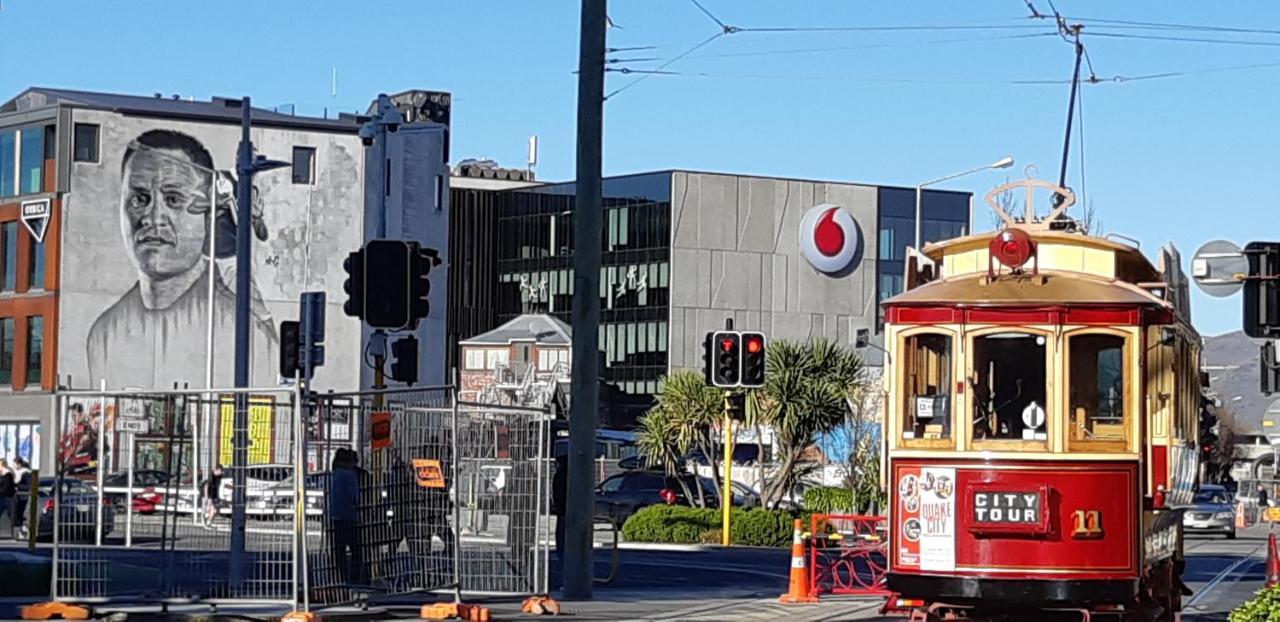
[86, 143]
[549, 358]
[494, 358]
[9, 248]
[35, 265]
[31, 168]
[304, 165]
[8, 163]
[474, 359]
[35, 348]
[6, 351]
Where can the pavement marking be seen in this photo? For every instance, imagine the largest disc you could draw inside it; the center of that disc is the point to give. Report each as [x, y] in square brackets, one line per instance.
[1226, 572]
[771, 609]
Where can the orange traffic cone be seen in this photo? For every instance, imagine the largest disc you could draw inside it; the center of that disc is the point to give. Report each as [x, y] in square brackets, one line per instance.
[1240, 524]
[798, 591]
[1273, 561]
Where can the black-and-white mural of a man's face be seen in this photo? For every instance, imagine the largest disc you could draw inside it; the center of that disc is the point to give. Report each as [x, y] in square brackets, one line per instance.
[165, 203]
[162, 322]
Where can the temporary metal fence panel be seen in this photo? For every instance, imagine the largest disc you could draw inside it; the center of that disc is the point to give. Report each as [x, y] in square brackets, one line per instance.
[847, 554]
[139, 505]
[442, 496]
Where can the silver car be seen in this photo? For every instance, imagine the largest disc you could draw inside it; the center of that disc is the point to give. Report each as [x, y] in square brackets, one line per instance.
[1211, 512]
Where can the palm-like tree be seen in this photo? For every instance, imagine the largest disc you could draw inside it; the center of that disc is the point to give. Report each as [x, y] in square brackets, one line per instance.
[683, 419]
[808, 390]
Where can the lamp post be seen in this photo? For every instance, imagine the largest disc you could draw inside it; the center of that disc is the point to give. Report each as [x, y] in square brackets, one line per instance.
[247, 165]
[1004, 162]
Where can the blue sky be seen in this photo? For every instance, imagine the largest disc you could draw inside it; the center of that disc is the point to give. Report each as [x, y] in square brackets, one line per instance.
[1182, 159]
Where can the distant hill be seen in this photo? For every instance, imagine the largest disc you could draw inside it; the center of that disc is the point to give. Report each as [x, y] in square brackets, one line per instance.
[1237, 387]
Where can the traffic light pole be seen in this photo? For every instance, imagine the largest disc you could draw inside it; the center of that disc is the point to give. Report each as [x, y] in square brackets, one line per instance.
[726, 498]
[584, 386]
[240, 419]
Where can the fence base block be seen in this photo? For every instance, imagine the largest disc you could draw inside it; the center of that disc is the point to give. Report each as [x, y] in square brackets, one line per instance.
[55, 610]
[300, 616]
[540, 606]
[452, 611]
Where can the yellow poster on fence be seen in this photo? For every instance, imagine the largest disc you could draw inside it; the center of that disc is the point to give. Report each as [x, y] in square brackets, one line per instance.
[1273, 515]
[261, 424]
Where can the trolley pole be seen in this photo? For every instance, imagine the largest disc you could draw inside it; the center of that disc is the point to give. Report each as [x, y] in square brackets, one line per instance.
[726, 498]
[584, 386]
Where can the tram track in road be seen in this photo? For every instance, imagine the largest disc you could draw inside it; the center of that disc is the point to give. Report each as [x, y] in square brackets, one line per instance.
[1222, 591]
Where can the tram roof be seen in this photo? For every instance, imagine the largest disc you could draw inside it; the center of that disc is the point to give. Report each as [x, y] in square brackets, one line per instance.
[1047, 288]
[1130, 255]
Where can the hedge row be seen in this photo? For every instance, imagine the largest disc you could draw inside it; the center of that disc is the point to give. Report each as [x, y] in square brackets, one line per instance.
[828, 500]
[677, 524]
[1263, 607]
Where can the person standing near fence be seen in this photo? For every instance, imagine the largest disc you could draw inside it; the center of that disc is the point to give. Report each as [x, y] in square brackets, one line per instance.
[344, 500]
[22, 486]
[8, 488]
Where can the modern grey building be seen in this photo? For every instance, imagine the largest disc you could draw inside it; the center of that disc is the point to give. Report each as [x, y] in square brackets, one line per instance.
[681, 252]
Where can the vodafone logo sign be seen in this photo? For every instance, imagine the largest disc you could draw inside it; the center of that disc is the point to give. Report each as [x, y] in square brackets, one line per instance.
[829, 238]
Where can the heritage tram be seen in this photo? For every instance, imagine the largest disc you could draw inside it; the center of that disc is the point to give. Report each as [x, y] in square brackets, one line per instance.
[1043, 388]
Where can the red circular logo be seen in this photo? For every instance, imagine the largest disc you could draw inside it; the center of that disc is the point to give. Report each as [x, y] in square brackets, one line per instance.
[828, 238]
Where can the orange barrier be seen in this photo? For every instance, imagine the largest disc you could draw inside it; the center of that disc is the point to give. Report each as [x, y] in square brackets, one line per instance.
[540, 605]
[450, 611]
[798, 591]
[55, 610]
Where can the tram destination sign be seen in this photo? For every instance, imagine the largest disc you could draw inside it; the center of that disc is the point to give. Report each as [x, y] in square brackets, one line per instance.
[998, 510]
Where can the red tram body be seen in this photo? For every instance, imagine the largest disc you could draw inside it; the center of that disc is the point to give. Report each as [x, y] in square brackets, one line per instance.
[1042, 393]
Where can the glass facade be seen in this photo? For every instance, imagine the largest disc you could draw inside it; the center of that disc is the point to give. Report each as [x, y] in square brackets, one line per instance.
[535, 275]
[945, 215]
[22, 155]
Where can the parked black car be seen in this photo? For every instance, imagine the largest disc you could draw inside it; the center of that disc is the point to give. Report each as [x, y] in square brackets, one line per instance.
[77, 507]
[618, 497]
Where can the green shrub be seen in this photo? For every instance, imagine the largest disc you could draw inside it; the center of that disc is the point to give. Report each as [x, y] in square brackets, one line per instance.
[1263, 607]
[676, 524]
[761, 527]
[828, 500]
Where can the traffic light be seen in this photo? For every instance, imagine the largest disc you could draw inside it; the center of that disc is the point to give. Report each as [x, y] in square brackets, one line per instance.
[1262, 290]
[290, 349]
[708, 356]
[727, 362]
[424, 259]
[386, 301]
[1270, 368]
[738, 406]
[354, 285]
[753, 346]
[405, 366]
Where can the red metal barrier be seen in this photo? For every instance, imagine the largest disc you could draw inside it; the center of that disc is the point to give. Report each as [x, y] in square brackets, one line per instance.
[847, 554]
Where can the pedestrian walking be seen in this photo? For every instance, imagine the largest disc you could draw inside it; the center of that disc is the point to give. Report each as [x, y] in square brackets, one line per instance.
[344, 500]
[212, 491]
[1263, 502]
[8, 489]
[22, 486]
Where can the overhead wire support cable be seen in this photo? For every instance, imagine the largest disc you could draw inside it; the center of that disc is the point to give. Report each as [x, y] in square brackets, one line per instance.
[1127, 35]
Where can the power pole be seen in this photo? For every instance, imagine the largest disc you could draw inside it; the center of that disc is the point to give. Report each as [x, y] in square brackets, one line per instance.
[584, 387]
[240, 423]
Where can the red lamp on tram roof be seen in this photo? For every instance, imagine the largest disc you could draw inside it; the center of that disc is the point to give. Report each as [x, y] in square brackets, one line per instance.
[1012, 247]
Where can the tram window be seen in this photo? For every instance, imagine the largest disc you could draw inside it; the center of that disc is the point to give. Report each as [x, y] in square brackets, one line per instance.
[1097, 387]
[927, 387]
[1008, 386]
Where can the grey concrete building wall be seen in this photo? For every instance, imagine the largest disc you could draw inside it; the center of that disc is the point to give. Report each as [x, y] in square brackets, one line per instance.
[134, 285]
[736, 253]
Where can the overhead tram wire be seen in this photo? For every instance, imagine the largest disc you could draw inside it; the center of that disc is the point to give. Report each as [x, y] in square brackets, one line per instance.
[724, 30]
[872, 46]
[1126, 35]
[1169, 26]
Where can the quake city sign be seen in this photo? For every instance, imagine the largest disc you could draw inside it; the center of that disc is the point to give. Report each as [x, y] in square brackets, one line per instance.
[829, 238]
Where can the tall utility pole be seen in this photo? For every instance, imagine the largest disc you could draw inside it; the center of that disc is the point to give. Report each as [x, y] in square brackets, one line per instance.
[240, 424]
[584, 387]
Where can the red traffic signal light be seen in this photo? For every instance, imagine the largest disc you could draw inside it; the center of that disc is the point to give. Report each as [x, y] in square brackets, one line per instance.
[727, 344]
[755, 344]
[753, 359]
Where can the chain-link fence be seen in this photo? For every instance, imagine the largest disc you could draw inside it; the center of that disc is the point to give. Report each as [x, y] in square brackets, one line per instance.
[139, 506]
[436, 496]
[402, 491]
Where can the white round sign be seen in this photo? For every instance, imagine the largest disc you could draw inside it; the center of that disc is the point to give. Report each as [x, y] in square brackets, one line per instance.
[828, 238]
[1033, 416]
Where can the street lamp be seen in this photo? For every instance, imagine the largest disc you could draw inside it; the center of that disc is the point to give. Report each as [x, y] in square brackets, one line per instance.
[1004, 162]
